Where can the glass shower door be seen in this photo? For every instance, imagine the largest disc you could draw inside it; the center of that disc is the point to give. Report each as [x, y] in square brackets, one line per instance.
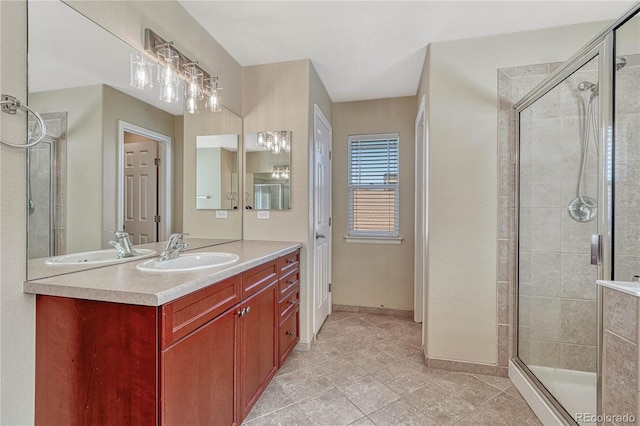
[557, 212]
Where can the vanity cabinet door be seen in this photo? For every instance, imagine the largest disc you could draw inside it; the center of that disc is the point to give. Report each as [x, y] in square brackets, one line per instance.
[258, 345]
[197, 378]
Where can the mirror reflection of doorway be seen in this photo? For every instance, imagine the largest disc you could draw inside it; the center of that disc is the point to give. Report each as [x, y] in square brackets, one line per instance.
[141, 163]
[143, 192]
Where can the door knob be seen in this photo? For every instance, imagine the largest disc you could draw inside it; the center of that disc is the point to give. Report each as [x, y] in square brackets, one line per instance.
[319, 236]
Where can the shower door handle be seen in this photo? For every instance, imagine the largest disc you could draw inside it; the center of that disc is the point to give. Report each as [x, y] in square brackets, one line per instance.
[596, 249]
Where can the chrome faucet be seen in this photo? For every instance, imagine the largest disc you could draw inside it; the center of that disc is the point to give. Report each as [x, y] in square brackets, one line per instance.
[173, 247]
[123, 245]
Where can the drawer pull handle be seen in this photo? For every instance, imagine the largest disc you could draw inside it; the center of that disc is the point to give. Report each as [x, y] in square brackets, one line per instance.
[291, 282]
[289, 333]
[290, 261]
[292, 301]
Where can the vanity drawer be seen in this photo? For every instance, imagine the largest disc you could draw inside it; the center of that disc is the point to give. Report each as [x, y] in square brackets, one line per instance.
[186, 314]
[289, 262]
[288, 336]
[289, 281]
[258, 278]
[288, 304]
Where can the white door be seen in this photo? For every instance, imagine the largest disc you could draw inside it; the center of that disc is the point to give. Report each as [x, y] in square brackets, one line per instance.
[141, 191]
[322, 220]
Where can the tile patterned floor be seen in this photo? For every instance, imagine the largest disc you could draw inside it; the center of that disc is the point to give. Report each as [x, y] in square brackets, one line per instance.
[367, 369]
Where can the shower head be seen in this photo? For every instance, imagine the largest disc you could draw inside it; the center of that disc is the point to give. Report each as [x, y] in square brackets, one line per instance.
[620, 63]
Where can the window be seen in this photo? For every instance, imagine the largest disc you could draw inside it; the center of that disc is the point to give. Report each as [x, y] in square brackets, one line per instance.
[373, 186]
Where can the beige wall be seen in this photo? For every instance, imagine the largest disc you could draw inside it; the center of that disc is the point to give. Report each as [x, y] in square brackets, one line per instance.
[203, 223]
[83, 106]
[17, 322]
[373, 275]
[279, 97]
[461, 81]
[128, 19]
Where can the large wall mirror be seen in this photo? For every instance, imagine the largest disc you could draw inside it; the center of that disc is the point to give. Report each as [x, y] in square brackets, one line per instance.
[105, 140]
[268, 170]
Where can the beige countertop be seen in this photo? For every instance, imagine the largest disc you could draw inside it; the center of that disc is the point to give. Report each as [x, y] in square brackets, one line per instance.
[123, 283]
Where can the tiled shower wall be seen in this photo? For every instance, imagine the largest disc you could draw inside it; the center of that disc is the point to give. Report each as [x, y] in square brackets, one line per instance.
[557, 287]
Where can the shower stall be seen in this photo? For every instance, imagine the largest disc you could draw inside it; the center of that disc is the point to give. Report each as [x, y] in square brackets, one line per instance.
[577, 214]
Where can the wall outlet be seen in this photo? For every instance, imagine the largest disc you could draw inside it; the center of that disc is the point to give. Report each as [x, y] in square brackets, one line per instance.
[264, 214]
[222, 214]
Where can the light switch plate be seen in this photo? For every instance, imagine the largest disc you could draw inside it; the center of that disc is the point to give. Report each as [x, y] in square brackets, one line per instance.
[264, 214]
[222, 214]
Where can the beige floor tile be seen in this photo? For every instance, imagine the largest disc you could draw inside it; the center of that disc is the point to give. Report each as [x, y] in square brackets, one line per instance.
[514, 392]
[512, 410]
[363, 422]
[404, 378]
[370, 359]
[440, 404]
[338, 315]
[288, 416]
[501, 383]
[340, 371]
[331, 408]
[273, 399]
[398, 349]
[302, 384]
[296, 361]
[481, 417]
[468, 387]
[368, 394]
[401, 413]
[321, 351]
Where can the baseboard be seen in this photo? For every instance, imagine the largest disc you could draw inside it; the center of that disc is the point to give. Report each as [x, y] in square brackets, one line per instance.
[373, 310]
[465, 367]
[303, 346]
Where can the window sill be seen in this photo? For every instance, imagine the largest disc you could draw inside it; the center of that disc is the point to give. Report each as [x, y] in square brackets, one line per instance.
[372, 240]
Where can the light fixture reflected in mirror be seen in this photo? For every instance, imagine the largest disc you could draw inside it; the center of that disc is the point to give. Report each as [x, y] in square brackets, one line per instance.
[277, 142]
[141, 74]
[280, 172]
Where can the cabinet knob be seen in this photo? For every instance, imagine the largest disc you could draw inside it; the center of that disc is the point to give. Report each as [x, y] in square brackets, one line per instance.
[242, 312]
[248, 308]
[290, 261]
[292, 301]
[291, 282]
[289, 333]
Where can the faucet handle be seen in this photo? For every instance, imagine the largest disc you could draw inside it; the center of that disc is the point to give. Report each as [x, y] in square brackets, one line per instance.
[120, 234]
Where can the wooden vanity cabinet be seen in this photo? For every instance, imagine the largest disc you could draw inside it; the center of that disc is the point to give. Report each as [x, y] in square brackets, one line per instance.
[203, 359]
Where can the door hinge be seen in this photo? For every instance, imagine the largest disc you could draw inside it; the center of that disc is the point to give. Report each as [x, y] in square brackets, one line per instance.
[156, 161]
[329, 287]
[156, 218]
[329, 155]
[329, 221]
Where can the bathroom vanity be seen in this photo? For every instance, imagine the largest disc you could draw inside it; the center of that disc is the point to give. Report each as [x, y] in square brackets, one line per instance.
[115, 345]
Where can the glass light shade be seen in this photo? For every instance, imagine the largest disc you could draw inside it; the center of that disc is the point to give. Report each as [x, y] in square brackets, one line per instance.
[191, 105]
[141, 74]
[194, 83]
[214, 101]
[168, 65]
[170, 91]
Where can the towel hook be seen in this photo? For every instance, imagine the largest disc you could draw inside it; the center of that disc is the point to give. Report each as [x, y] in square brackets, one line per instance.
[10, 105]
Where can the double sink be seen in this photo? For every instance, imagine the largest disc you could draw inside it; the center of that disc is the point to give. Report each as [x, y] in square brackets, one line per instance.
[185, 262]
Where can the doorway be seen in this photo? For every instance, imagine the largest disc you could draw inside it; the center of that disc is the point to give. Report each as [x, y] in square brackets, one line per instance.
[144, 183]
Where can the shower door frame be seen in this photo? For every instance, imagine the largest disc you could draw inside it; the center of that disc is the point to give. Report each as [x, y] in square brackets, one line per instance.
[602, 47]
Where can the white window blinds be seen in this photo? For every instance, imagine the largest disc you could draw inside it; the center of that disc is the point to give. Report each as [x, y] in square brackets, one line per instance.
[373, 185]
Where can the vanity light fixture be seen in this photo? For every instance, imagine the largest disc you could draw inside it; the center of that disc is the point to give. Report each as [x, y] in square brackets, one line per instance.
[280, 172]
[277, 142]
[174, 67]
[141, 74]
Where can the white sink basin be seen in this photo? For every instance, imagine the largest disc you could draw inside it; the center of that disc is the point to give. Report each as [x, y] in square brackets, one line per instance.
[189, 262]
[93, 257]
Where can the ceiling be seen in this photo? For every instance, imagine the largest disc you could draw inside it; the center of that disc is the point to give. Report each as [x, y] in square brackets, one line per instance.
[375, 49]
